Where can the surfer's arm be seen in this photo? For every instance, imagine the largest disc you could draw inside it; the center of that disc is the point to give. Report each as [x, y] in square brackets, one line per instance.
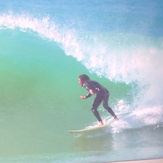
[87, 96]
[90, 88]
[91, 91]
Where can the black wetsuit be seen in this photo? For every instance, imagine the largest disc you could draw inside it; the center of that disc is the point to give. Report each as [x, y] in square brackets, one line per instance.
[102, 95]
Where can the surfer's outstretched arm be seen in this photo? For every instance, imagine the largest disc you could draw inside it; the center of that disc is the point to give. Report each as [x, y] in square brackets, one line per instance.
[87, 96]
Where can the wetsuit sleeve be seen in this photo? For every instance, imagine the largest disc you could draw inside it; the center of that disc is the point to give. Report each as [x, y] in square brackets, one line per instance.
[88, 87]
[88, 95]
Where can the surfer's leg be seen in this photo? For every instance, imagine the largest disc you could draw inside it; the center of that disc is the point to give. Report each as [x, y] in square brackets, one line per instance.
[95, 105]
[106, 106]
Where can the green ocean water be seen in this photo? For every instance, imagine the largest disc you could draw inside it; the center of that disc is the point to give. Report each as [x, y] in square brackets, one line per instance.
[40, 95]
[40, 102]
[46, 45]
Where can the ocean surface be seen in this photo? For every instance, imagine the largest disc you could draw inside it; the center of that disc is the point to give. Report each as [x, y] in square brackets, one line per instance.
[46, 45]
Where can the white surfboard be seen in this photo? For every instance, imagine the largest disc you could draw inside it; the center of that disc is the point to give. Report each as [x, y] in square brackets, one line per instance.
[92, 129]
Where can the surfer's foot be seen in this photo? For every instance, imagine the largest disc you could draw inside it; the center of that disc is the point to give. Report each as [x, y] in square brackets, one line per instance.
[115, 118]
[101, 123]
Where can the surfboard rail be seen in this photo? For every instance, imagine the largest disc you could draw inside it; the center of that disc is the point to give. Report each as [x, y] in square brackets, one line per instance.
[91, 129]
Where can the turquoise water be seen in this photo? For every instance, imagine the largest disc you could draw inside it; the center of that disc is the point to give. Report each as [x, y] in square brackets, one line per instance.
[46, 45]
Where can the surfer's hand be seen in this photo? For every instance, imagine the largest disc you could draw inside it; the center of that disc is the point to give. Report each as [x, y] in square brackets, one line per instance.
[91, 92]
[82, 96]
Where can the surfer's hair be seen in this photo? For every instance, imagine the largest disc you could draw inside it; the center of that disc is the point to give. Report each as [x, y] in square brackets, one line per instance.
[84, 77]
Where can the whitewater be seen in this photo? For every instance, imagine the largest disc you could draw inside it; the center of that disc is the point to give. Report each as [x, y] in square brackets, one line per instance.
[45, 46]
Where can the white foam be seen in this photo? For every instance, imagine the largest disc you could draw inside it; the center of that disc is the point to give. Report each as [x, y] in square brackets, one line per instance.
[149, 115]
[124, 58]
[46, 28]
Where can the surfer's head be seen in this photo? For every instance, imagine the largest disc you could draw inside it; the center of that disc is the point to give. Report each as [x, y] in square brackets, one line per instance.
[82, 79]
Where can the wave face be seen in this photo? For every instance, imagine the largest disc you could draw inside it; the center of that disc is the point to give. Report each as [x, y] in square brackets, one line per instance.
[46, 45]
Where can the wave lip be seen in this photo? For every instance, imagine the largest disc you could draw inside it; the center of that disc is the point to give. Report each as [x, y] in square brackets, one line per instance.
[46, 28]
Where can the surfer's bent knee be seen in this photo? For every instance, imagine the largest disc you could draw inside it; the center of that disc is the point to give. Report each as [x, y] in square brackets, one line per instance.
[93, 110]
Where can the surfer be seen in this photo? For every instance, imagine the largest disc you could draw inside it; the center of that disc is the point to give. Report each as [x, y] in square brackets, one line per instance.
[102, 95]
